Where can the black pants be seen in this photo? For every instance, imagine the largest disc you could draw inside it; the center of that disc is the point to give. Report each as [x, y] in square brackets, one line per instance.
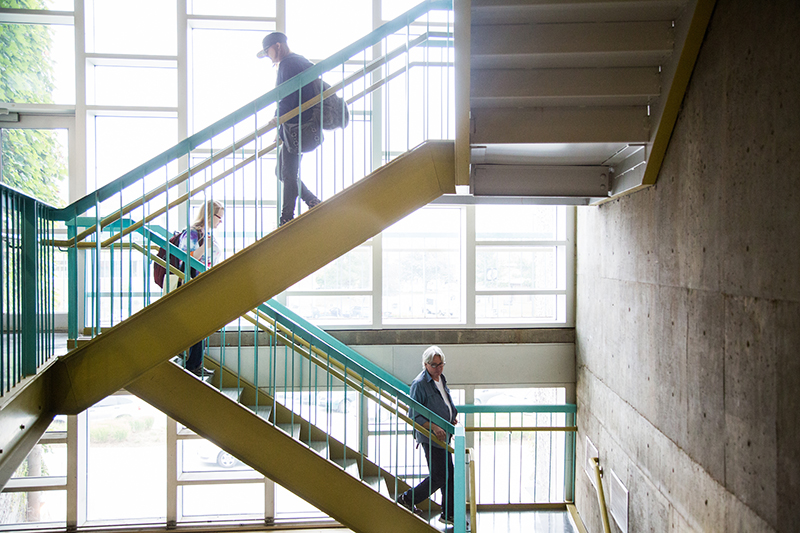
[195, 359]
[441, 468]
[289, 173]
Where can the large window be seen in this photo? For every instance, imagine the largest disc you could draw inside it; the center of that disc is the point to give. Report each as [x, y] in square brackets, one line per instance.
[424, 271]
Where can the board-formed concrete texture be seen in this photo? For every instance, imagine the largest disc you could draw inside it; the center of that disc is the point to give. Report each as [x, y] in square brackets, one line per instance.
[688, 299]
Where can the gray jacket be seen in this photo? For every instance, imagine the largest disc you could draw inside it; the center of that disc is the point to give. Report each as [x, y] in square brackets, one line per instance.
[424, 390]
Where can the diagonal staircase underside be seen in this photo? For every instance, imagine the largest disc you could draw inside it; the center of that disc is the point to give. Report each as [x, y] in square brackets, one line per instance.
[121, 354]
[124, 353]
[301, 467]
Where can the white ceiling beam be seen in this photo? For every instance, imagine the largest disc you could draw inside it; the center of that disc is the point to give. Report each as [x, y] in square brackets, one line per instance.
[549, 87]
[549, 11]
[533, 180]
[560, 125]
[571, 45]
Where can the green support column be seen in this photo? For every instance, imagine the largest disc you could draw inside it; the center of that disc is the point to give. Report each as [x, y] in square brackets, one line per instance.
[460, 490]
[72, 283]
[29, 288]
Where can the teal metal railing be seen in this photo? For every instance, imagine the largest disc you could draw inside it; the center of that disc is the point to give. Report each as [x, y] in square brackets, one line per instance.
[27, 286]
[397, 97]
[525, 453]
[398, 84]
[330, 388]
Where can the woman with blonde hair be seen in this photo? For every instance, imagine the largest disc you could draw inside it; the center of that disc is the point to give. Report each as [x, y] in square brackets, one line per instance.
[199, 240]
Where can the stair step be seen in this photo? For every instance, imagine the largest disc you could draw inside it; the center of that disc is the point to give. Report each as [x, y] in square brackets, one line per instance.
[233, 393]
[77, 343]
[379, 485]
[350, 466]
[292, 430]
[319, 446]
[262, 411]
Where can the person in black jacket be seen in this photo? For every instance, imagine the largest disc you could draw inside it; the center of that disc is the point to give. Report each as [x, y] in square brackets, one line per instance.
[275, 47]
[429, 388]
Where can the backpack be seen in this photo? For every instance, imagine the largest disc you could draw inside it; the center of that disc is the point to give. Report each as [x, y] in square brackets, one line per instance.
[159, 271]
[334, 111]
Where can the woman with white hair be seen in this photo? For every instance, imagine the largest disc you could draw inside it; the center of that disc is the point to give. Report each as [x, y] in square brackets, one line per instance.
[429, 388]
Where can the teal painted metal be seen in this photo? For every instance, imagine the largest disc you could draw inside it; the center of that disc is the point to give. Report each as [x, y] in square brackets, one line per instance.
[565, 408]
[321, 339]
[276, 309]
[26, 286]
[28, 271]
[570, 461]
[460, 489]
[190, 143]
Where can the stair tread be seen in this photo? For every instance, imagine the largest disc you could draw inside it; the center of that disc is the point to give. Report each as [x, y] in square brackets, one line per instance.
[349, 465]
[233, 393]
[378, 484]
[262, 410]
[292, 429]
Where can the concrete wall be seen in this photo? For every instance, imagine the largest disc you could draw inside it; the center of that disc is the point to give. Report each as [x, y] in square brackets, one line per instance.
[688, 310]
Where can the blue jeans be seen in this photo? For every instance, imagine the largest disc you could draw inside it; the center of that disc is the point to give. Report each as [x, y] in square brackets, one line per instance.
[289, 174]
[195, 359]
[441, 467]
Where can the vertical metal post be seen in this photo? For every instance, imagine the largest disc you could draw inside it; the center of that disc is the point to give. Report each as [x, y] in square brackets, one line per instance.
[30, 252]
[569, 461]
[460, 489]
[173, 460]
[463, 25]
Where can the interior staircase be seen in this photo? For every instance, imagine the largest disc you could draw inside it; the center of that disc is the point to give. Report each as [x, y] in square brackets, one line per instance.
[570, 102]
[574, 101]
[284, 447]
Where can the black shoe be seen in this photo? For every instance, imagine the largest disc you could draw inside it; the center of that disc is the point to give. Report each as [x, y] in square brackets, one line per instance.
[405, 500]
[202, 372]
[313, 203]
[284, 220]
[447, 520]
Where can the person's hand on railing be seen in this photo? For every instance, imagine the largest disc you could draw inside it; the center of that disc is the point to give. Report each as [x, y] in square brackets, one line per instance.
[272, 122]
[439, 432]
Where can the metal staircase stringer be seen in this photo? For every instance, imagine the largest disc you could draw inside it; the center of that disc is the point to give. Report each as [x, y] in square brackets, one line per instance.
[272, 452]
[121, 354]
[309, 432]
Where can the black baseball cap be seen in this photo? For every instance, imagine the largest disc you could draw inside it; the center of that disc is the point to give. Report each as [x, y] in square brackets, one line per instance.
[269, 40]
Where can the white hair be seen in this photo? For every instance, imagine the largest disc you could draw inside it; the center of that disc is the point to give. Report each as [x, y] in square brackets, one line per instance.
[430, 353]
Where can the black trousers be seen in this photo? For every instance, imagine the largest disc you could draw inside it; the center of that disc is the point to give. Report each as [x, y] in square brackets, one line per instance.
[195, 359]
[441, 468]
[289, 173]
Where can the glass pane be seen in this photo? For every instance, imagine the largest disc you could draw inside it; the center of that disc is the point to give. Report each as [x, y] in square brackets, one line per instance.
[122, 425]
[55, 5]
[200, 455]
[123, 143]
[216, 500]
[521, 396]
[146, 27]
[38, 64]
[44, 460]
[328, 310]
[230, 8]
[226, 74]
[515, 309]
[35, 162]
[516, 222]
[521, 466]
[135, 86]
[287, 505]
[517, 268]
[352, 271]
[422, 267]
[29, 507]
[311, 25]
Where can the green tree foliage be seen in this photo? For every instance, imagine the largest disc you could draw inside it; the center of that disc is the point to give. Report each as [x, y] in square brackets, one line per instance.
[32, 159]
